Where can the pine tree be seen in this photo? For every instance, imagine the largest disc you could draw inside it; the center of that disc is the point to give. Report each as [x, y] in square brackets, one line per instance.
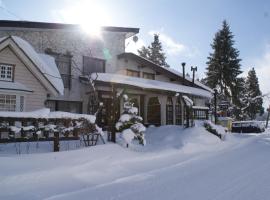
[254, 98]
[224, 64]
[144, 52]
[130, 124]
[154, 52]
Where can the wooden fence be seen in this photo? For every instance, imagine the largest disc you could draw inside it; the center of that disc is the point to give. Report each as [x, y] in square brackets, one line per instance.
[14, 129]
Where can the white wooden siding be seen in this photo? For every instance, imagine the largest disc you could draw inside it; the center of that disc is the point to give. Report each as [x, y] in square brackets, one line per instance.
[22, 75]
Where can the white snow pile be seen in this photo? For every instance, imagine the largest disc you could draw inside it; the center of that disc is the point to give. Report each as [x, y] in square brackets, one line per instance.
[176, 137]
[45, 113]
[130, 125]
[177, 164]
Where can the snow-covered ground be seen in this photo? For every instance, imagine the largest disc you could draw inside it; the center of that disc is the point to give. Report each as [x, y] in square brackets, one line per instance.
[177, 163]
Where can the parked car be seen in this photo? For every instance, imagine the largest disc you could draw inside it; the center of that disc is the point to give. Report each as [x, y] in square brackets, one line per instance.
[248, 127]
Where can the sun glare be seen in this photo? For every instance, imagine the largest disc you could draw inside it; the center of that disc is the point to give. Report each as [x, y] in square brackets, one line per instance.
[89, 15]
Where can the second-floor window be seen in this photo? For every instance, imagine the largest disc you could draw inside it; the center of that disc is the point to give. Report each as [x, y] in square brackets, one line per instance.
[92, 65]
[148, 75]
[6, 72]
[63, 62]
[133, 73]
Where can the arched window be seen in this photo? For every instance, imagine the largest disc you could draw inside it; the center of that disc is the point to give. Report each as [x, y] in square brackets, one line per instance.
[153, 111]
[178, 112]
[169, 111]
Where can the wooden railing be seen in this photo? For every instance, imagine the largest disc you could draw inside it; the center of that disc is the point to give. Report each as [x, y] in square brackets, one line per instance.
[14, 129]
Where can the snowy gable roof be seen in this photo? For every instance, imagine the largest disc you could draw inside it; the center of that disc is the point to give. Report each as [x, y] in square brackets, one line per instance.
[163, 69]
[150, 84]
[45, 63]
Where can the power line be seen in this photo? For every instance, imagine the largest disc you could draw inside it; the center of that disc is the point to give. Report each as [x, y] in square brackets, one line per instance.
[10, 12]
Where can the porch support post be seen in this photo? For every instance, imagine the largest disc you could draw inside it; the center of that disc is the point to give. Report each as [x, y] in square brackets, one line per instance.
[162, 101]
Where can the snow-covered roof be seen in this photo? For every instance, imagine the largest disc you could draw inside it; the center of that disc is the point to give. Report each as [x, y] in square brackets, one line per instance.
[150, 84]
[44, 63]
[168, 69]
[190, 79]
[8, 85]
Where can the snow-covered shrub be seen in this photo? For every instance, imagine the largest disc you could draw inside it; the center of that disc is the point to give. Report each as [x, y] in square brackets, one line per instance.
[130, 124]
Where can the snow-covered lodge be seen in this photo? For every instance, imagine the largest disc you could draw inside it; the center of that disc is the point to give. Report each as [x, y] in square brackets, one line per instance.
[48, 65]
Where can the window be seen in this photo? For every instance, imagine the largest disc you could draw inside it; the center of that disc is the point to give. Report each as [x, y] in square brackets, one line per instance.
[178, 112]
[63, 62]
[153, 111]
[133, 73]
[7, 102]
[200, 114]
[66, 106]
[148, 75]
[92, 65]
[12, 102]
[169, 111]
[6, 72]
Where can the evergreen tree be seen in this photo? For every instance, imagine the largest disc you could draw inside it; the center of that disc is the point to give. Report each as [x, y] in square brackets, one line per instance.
[144, 52]
[224, 64]
[154, 52]
[254, 95]
[130, 124]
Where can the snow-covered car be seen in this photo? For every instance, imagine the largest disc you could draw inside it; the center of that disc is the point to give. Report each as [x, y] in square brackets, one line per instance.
[248, 127]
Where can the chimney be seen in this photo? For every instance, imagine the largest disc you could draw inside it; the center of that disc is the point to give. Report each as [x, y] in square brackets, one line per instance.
[193, 69]
[183, 67]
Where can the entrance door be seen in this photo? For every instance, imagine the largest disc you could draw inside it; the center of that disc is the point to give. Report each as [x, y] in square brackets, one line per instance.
[105, 116]
[153, 111]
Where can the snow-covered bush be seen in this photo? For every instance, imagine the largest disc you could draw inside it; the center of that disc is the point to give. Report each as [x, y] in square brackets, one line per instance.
[130, 124]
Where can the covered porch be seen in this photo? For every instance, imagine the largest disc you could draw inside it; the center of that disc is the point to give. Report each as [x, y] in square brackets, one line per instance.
[161, 104]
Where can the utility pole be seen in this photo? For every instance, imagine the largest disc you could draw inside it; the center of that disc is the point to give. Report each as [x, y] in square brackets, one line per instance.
[193, 69]
[215, 102]
[113, 115]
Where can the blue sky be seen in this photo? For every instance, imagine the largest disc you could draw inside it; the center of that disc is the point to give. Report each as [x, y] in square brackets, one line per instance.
[186, 27]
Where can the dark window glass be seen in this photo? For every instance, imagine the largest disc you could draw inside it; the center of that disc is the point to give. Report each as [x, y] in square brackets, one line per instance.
[63, 62]
[169, 111]
[178, 112]
[153, 111]
[148, 76]
[66, 106]
[92, 65]
[133, 73]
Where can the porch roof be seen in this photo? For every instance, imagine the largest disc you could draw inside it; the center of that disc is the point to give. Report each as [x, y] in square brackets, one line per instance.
[149, 84]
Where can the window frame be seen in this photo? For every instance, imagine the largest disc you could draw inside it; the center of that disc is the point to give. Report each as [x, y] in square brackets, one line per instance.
[133, 71]
[94, 58]
[12, 72]
[178, 111]
[169, 111]
[19, 106]
[146, 74]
